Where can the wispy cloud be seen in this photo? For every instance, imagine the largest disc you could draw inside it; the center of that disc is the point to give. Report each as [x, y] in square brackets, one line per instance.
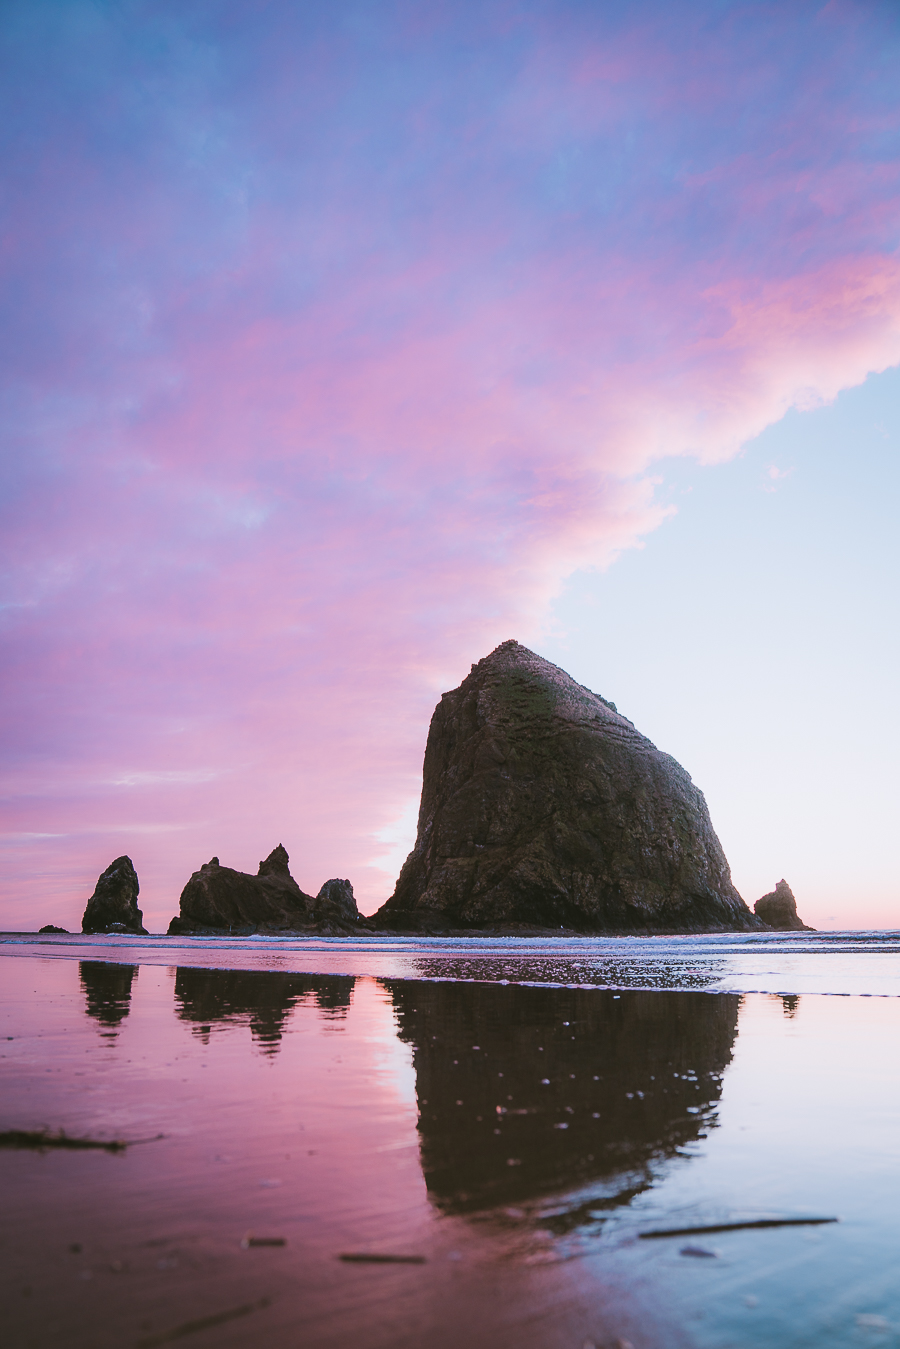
[339, 339]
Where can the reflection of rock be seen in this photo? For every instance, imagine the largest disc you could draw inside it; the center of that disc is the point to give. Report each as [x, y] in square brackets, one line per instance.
[218, 899]
[261, 999]
[629, 1079]
[108, 990]
[49, 927]
[779, 910]
[114, 901]
[541, 805]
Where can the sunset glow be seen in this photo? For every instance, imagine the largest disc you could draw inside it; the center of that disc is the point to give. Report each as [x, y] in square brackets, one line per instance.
[338, 337]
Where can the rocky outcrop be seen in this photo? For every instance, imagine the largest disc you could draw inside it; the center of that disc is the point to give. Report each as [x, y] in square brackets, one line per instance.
[336, 899]
[113, 905]
[779, 910]
[217, 899]
[542, 805]
[51, 927]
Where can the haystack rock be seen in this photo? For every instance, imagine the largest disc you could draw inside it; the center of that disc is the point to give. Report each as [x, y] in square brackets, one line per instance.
[113, 905]
[541, 805]
[779, 910]
[218, 899]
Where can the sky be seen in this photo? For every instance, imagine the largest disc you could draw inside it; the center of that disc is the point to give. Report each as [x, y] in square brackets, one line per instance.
[343, 342]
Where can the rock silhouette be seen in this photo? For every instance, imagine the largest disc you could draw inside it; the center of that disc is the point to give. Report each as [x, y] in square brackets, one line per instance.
[337, 896]
[779, 910]
[218, 899]
[527, 1092]
[107, 989]
[261, 999]
[113, 905]
[541, 805]
[51, 927]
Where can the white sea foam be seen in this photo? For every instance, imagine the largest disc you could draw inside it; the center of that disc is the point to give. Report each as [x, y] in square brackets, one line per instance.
[788, 963]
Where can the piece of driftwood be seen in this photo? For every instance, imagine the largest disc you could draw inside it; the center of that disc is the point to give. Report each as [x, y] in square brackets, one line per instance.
[735, 1227]
[364, 1258]
[40, 1139]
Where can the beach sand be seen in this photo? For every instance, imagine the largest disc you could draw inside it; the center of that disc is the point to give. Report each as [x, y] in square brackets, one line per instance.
[492, 1155]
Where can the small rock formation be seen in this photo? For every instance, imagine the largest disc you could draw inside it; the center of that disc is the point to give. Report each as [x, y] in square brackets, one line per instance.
[337, 896]
[541, 805]
[779, 910]
[218, 899]
[113, 905]
[49, 927]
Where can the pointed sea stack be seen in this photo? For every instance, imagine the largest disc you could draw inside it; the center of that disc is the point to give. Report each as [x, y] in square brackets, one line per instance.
[779, 910]
[113, 905]
[541, 805]
[218, 899]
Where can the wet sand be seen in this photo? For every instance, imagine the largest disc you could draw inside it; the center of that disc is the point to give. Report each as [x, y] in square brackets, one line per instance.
[837, 963]
[513, 1144]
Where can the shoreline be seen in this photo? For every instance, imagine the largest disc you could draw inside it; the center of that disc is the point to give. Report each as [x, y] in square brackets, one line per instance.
[846, 964]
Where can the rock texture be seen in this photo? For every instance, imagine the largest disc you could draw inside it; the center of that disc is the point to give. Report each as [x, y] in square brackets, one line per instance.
[218, 899]
[113, 905]
[779, 910]
[542, 805]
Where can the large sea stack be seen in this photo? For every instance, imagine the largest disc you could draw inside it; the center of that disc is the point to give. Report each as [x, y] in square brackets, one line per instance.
[779, 910]
[218, 899]
[541, 805]
[113, 905]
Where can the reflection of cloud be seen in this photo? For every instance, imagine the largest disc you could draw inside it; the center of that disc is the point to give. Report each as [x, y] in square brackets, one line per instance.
[311, 444]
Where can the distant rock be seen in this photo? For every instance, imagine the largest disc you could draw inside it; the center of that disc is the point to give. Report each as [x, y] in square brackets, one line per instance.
[541, 805]
[114, 901]
[779, 910]
[336, 897]
[218, 899]
[63, 931]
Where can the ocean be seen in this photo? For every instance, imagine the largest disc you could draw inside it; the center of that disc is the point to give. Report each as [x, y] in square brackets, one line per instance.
[685, 1141]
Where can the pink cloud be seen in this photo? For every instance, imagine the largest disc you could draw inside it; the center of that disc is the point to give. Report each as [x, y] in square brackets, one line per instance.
[308, 422]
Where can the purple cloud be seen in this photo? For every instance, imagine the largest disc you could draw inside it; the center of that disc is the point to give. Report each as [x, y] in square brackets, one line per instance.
[339, 337]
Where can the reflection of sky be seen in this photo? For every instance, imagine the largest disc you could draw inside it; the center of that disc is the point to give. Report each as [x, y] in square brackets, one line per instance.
[336, 337]
[322, 1143]
[808, 1123]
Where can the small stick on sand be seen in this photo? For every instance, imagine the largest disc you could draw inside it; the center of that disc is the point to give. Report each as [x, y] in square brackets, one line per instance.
[41, 1139]
[362, 1258]
[735, 1227]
